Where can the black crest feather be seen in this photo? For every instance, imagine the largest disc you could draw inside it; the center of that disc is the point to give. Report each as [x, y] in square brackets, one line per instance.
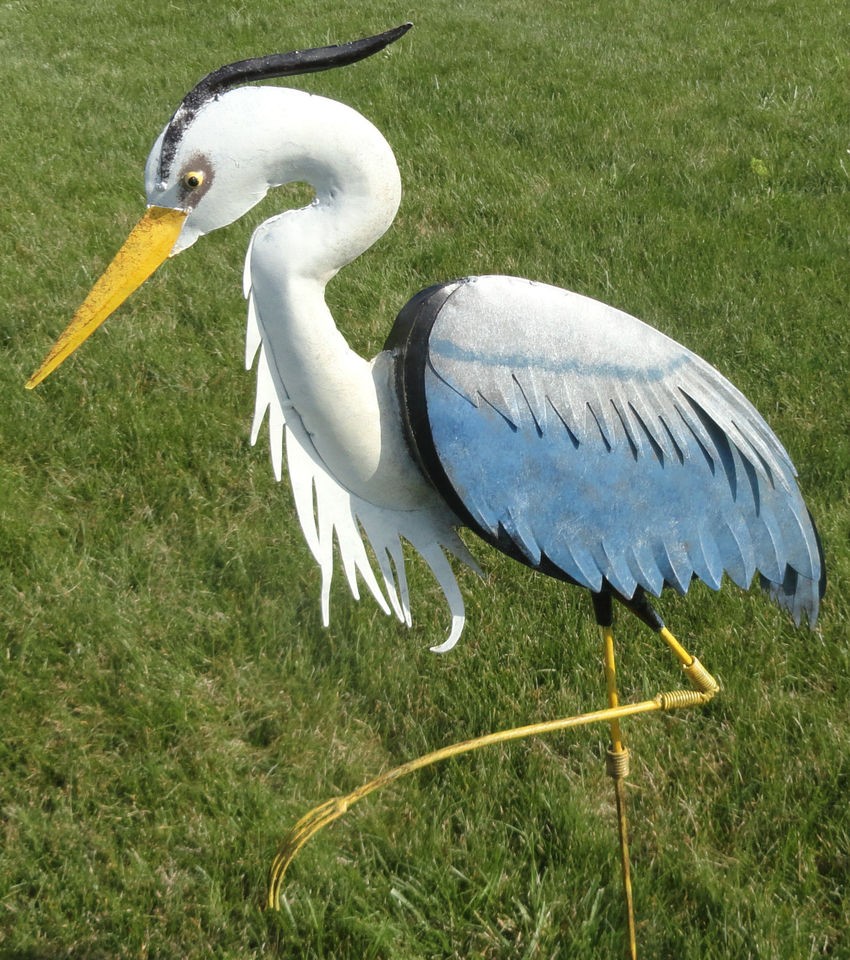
[261, 68]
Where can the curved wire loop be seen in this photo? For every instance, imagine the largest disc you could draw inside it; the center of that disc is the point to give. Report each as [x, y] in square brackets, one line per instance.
[333, 809]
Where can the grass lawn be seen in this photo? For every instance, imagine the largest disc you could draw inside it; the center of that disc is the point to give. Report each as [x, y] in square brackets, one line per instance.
[171, 703]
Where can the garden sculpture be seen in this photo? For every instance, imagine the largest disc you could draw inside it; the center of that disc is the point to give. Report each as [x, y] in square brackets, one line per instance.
[565, 433]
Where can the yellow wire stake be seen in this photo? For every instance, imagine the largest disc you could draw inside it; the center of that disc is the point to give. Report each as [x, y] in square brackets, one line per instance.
[622, 825]
[617, 767]
[331, 810]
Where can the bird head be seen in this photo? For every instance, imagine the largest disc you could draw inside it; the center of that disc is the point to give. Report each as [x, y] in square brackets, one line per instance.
[193, 182]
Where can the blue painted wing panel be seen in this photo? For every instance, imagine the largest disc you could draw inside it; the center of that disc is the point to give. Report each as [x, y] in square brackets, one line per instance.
[581, 437]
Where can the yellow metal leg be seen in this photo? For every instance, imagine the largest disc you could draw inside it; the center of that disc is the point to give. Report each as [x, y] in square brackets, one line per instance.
[705, 687]
[700, 678]
[611, 684]
[617, 766]
[333, 809]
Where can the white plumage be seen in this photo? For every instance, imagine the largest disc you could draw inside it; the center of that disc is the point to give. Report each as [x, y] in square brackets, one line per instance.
[329, 513]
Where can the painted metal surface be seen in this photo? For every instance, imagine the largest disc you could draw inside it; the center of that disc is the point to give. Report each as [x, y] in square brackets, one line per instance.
[567, 433]
[575, 436]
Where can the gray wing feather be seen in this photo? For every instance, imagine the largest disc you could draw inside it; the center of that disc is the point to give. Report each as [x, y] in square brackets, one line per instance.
[594, 441]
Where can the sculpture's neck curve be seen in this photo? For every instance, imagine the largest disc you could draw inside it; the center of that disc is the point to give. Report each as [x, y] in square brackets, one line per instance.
[344, 402]
[354, 174]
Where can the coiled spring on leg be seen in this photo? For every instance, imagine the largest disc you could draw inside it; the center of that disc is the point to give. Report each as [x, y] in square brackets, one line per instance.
[674, 699]
[701, 678]
[617, 763]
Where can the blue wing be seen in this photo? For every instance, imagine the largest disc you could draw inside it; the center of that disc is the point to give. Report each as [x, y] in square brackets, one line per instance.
[587, 444]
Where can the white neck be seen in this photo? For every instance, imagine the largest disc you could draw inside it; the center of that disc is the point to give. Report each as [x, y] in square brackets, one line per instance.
[344, 402]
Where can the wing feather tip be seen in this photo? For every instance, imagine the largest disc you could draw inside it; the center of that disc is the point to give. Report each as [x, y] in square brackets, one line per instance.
[799, 596]
[458, 621]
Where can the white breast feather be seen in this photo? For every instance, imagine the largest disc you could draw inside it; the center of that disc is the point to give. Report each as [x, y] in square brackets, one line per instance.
[328, 511]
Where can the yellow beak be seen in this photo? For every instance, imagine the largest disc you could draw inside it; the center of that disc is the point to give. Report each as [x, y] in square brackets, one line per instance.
[148, 245]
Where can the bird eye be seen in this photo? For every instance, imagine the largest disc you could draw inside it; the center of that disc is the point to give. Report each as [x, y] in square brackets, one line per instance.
[193, 179]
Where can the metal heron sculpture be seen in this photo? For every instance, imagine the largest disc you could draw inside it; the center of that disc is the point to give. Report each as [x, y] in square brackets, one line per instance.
[564, 432]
